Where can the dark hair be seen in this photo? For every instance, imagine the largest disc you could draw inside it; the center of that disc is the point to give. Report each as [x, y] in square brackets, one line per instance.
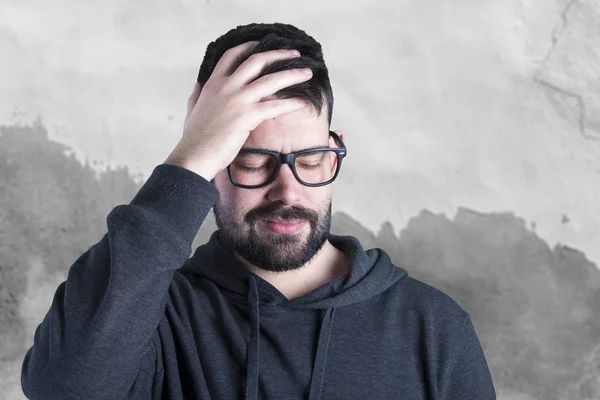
[278, 36]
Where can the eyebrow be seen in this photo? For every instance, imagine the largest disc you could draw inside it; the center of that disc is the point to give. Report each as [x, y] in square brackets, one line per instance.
[252, 149]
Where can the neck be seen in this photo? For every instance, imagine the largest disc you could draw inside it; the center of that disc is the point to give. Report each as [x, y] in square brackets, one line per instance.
[328, 264]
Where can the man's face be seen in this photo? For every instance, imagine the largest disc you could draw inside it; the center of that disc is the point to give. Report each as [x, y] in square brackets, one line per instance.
[241, 214]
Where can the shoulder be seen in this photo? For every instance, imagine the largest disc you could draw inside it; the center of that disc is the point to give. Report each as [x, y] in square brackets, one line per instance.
[426, 304]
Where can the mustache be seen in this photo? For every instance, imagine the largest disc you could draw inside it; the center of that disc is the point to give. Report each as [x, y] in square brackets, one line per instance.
[276, 212]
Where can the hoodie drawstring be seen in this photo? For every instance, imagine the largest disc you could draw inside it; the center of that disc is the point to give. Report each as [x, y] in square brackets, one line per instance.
[316, 384]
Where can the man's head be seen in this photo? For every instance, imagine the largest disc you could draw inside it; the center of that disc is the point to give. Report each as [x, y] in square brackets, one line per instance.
[241, 213]
[278, 36]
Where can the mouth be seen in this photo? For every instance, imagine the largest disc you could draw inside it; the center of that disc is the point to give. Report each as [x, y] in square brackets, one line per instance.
[285, 221]
[284, 226]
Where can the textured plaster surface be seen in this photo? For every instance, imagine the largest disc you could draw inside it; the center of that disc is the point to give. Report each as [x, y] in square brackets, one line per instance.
[487, 105]
[536, 308]
[474, 127]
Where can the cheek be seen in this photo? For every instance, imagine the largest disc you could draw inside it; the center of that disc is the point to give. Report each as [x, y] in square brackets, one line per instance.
[318, 203]
[243, 202]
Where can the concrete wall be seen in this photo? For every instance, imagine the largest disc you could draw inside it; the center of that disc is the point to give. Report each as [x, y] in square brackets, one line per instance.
[473, 135]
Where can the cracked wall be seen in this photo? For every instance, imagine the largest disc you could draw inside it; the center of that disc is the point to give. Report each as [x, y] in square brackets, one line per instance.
[484, 111]
[572, 67]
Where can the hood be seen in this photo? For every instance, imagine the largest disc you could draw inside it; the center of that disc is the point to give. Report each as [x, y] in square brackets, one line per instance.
[371, 272]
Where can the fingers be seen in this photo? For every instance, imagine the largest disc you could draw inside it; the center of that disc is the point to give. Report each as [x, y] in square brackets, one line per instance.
[274, 108]
[271, 83]
[255, 64]
[227, 63]
[243, 80]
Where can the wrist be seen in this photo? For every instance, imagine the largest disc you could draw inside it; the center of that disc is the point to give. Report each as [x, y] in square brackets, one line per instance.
[204, 171]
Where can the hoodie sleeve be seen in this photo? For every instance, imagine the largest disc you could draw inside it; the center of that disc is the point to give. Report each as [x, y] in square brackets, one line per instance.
[99, 328]
[467, 375]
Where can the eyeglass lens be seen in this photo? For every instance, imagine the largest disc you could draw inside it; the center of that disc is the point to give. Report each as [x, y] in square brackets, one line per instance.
[255, 168]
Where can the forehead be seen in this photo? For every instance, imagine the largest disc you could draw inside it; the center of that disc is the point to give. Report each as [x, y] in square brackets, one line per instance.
[297, 130]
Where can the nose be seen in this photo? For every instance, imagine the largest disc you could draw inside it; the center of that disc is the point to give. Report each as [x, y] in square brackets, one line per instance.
[285, 187]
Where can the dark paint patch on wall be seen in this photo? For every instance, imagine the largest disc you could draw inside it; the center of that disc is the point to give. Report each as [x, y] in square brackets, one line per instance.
[536, 309]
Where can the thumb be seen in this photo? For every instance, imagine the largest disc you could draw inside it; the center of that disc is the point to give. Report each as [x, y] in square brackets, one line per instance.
[193, 97]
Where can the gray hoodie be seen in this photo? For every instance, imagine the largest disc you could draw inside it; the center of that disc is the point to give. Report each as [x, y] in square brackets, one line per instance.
[138, 319]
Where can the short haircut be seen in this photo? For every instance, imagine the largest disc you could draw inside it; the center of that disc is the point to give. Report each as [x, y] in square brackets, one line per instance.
[278, 36]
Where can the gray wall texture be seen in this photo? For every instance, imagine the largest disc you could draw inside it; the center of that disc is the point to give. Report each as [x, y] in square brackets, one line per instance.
[486, 111]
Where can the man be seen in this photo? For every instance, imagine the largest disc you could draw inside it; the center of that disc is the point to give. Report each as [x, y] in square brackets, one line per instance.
[273, 306]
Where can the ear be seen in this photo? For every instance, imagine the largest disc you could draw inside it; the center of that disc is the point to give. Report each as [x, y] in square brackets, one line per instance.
[334, 144]
[340, 134]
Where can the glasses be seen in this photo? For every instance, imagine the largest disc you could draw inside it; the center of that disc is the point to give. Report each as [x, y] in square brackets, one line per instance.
[255, 168]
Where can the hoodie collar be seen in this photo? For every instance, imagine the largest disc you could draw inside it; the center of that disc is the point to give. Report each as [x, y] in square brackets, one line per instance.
[371, 272]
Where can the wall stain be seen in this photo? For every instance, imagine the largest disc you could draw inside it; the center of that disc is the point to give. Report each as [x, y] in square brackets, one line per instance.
[536, 309]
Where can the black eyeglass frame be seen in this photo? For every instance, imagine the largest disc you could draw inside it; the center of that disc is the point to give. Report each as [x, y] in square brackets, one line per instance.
[290, 159]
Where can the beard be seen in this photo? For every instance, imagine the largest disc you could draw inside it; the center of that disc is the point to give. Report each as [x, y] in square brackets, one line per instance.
[268, 250]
